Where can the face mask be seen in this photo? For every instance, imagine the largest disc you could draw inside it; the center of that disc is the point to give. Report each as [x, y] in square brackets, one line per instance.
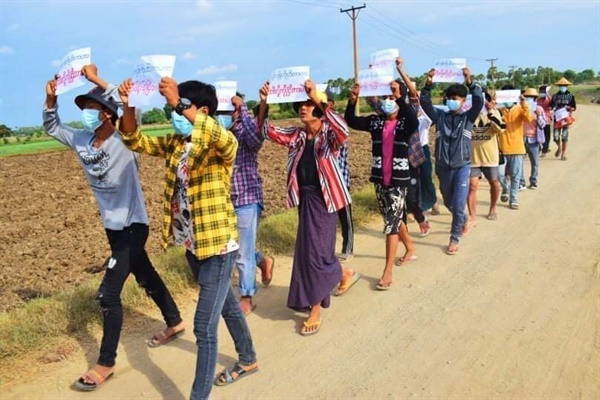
[507, 105]
[542, 95]
[453, 105]
[226, 121]
[181, 124]
[532, 104]
[91, 119]
[562, 89]
[389, 106]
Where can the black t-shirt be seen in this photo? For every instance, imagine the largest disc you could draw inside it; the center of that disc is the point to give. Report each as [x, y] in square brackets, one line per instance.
[307, 167]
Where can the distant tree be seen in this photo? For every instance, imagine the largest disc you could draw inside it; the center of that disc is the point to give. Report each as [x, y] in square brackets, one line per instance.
[75, 124]
[154, 116]
[286, 107]
[251, 104]
[168, 109]
[586, 75]
[5, 131]
[570, 75]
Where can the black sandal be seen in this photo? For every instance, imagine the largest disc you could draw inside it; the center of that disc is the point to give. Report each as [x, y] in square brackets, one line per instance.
[227, 375]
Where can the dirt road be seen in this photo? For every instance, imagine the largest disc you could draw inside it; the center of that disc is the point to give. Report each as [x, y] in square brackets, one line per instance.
[514, 315]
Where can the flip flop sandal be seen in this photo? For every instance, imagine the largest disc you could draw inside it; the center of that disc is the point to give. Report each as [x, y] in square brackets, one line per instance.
[95, 377]
[161, 338]
[310, 325]
[267, 282]
[492, 217]
[383, 286]
[401, 261]
[341, 290]
[227, 374]
[452, 251]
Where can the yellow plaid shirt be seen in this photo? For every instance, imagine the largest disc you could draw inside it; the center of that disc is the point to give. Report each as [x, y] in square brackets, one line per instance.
[210, 164]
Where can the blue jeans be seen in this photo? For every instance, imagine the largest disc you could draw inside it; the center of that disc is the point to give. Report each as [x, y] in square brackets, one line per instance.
[454, 185]
[216, 298]
[513, 170]
[533, 151]
[247, 222]
[428, 194]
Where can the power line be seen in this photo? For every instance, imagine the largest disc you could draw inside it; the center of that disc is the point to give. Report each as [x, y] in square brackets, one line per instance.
[353, 13]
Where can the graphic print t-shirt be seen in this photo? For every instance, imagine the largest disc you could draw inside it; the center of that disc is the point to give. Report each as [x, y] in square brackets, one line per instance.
[180, 208]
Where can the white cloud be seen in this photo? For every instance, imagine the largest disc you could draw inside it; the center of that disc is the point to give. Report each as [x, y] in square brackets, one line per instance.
[213, 69]
[13, 27]
[188, 56]
[55, 63]
[204, 4]
[4, 49]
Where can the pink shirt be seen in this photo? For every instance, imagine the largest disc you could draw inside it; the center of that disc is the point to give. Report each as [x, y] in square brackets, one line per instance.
[387, 150]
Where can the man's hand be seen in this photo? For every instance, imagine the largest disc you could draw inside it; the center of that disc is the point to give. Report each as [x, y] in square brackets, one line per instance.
[237, 102]
[537, 112]
[395, 88]
[354, 92]
[168, 88]
[467, 74]
[263, 93]
[90, 72]
[430, 76]
[51, 88]
[522, 99]
[399, 63]
[311, 91]
[124, 90]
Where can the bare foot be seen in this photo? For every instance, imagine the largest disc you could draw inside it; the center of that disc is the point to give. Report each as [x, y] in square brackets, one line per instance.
[468, 227]
[266, 270]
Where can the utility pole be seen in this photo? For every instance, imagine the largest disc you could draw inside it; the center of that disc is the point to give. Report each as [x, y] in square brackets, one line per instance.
[512, 70]
[492, 71]
[353, 13]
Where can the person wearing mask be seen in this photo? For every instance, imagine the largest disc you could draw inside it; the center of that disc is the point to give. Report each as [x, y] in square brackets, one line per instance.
[534, 137]
[112, 171]
[247, 198]
[315, 185]
[512, 146]
[563, 100]
[199, 215]
[544, 100]
[454, 129]
[390, 130]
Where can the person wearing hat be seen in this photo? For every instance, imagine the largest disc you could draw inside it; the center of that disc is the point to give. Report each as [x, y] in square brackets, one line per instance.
[534, 137]
[544, 99]
[345, 214]
[315, 184]
[390, 169]
[563, 99]
[112, 172]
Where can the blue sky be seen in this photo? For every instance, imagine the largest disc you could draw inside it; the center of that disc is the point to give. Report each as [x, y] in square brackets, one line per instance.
[246, 40]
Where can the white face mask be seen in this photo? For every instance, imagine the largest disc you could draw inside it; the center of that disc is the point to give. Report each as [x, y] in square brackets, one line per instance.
[389, 106]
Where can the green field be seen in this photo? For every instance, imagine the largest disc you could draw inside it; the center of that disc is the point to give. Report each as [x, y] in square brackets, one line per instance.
[47, 144]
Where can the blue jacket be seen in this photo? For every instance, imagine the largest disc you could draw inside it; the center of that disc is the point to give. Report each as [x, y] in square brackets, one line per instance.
[453, 131]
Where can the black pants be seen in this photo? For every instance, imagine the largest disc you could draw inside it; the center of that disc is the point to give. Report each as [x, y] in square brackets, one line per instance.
[345, 216]
[413, 205]
[547, 135]
[129, 256]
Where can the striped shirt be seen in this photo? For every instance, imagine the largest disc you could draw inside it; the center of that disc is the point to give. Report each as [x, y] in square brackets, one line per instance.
[210, 163]
[328, 141]
[247, 184]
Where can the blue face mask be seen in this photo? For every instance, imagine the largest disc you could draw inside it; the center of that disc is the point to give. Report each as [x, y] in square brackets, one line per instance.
[453, 105]
[562, 89]
[181, 124]
[507, 105]
[389, 106]
[91, 119]
[226, 121]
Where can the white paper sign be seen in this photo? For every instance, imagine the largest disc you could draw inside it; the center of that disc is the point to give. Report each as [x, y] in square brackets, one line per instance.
[507, 96]
[287, 85]
[225, 91]
[146, 77]
[384, 58]
[561, 114]
[321, 87]
[375, 82]
[69, 74]
[449, 70]
[468, 104]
